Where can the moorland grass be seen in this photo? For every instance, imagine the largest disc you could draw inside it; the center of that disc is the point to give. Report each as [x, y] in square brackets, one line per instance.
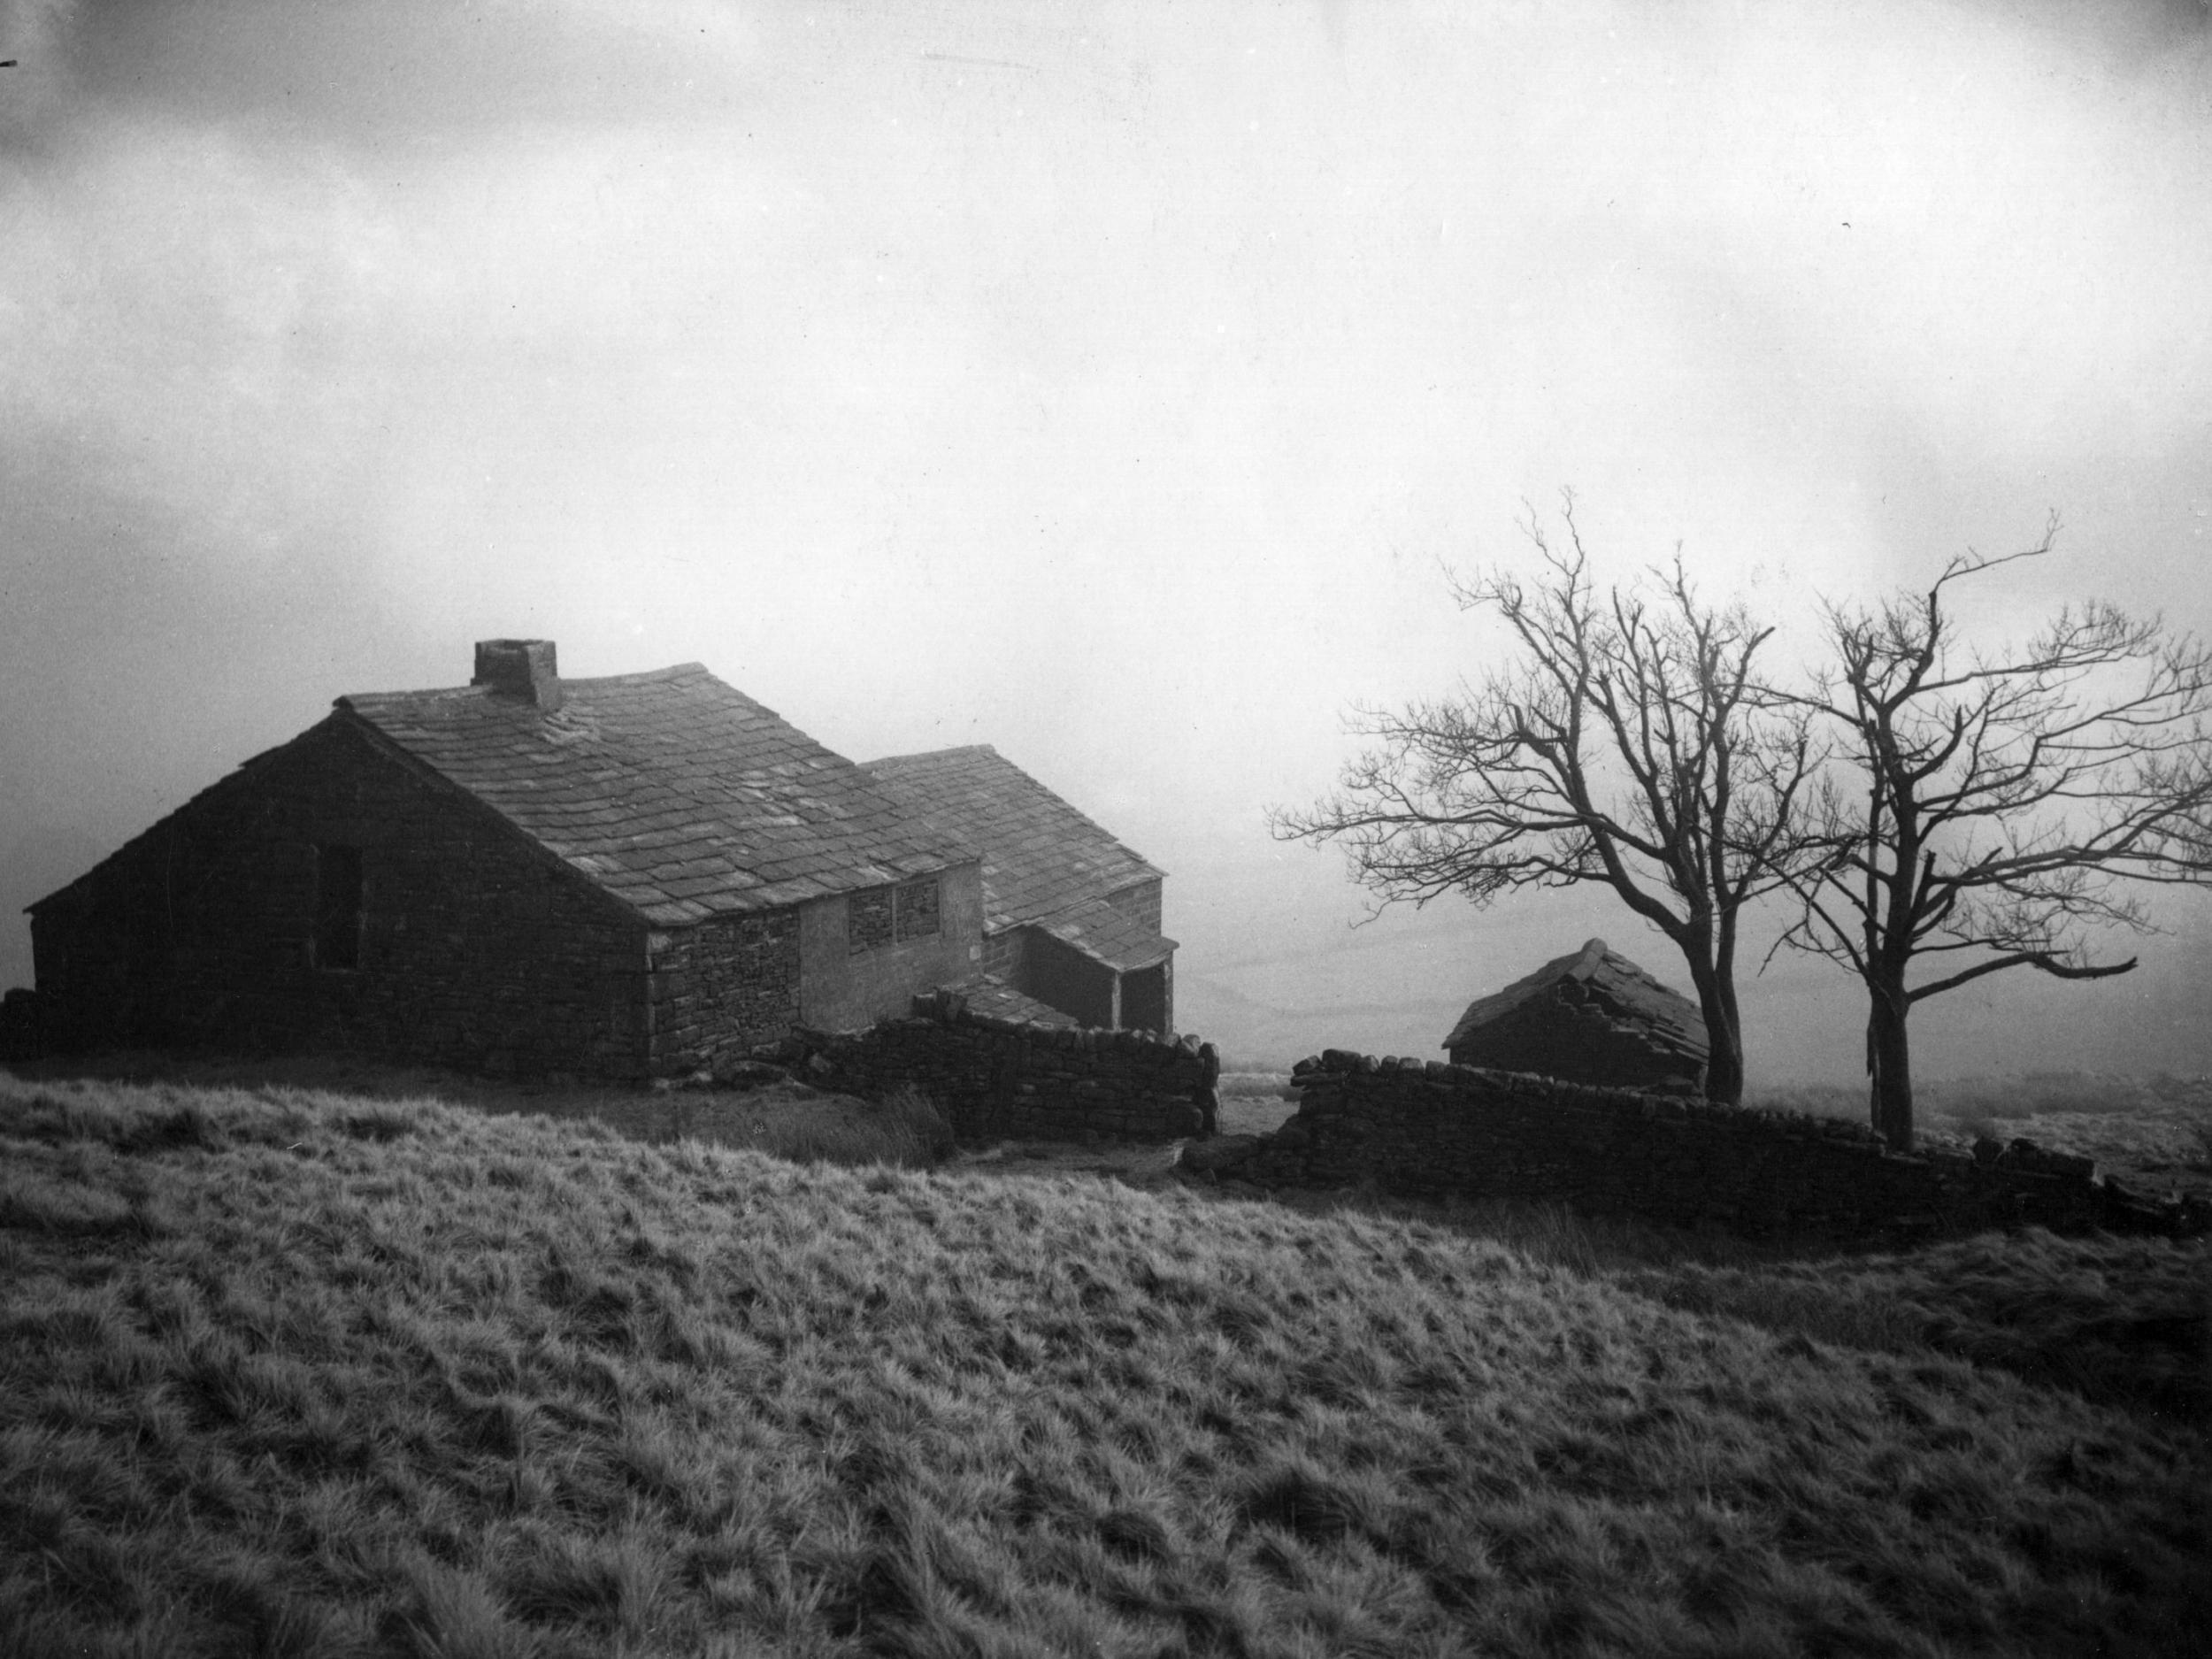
[792, 1121]
[788, 1120]
[2124, 1321]
[2127, 1321]
[285, 1373]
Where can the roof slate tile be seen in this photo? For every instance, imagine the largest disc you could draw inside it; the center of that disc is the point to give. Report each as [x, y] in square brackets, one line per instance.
[674, 792]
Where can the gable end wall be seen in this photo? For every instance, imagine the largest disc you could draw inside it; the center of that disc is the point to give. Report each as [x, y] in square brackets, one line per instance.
[1140, 902]
[477, 949]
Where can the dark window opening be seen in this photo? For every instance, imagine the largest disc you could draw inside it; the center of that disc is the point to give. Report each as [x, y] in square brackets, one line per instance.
[917, 908]
[338, 907]
[868, 922]
[884, 916]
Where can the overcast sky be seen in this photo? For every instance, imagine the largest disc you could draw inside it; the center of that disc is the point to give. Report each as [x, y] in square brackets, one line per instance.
[1109, 384]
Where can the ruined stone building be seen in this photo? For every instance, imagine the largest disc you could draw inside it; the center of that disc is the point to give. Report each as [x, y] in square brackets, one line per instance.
[630, 876]
[1590, 1016]
[1071, 917]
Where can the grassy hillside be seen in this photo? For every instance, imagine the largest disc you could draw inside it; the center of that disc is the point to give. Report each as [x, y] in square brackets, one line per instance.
[290, 1373]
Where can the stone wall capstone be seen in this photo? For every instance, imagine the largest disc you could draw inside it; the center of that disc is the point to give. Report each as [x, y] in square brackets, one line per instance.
[998, 1079]
[1428, 1129]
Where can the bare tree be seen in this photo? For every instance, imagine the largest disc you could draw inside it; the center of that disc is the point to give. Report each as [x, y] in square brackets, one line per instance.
[2003, 807]
[1627, 743]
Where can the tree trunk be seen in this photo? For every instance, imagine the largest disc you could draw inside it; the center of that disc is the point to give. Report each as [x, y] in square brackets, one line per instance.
[1724, 1070]
[1889, 1065]
[1724, 1034]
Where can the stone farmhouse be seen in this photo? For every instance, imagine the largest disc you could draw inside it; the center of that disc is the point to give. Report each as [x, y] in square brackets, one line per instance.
[1589, 1017]
[1071, 917]
[638, 875]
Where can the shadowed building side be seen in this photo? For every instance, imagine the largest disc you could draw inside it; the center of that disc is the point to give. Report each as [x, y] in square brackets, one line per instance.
[628, 876]
[1589, 1017]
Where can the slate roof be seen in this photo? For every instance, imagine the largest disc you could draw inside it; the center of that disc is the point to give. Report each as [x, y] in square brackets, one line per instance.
[987, 993]
[671, 790]
[1614, 979]
[1105, 934]
[1040, 857]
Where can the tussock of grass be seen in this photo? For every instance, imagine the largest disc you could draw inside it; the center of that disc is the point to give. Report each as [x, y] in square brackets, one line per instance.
[475, 1386]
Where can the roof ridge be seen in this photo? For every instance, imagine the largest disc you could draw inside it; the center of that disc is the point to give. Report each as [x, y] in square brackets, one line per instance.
[936, 754]
[674, 670]
[669, 672]
[1590, 957]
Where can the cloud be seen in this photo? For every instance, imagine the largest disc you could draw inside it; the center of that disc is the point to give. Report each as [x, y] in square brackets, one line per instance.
[400, 73]
[34, 86]
[203, 321]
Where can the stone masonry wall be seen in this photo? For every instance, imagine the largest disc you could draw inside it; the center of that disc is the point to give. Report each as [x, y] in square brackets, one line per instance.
[1429, 1129]
[1139, 900]
[996, 1078]
[473, 951]
[723, 987]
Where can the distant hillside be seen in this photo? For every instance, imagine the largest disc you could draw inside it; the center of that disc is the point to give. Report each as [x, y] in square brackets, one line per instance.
[286, 1373]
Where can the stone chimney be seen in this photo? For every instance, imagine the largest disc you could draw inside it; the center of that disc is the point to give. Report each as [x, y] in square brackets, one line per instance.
[519, 668]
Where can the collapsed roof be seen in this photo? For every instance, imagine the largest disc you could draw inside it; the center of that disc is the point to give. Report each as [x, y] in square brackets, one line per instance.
[1598, 977]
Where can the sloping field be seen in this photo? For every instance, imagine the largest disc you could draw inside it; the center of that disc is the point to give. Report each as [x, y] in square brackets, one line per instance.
[293, 1374]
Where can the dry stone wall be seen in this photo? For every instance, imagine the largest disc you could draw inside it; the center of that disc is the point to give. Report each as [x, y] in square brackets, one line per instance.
[997, 1079]
[1428, 1129]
